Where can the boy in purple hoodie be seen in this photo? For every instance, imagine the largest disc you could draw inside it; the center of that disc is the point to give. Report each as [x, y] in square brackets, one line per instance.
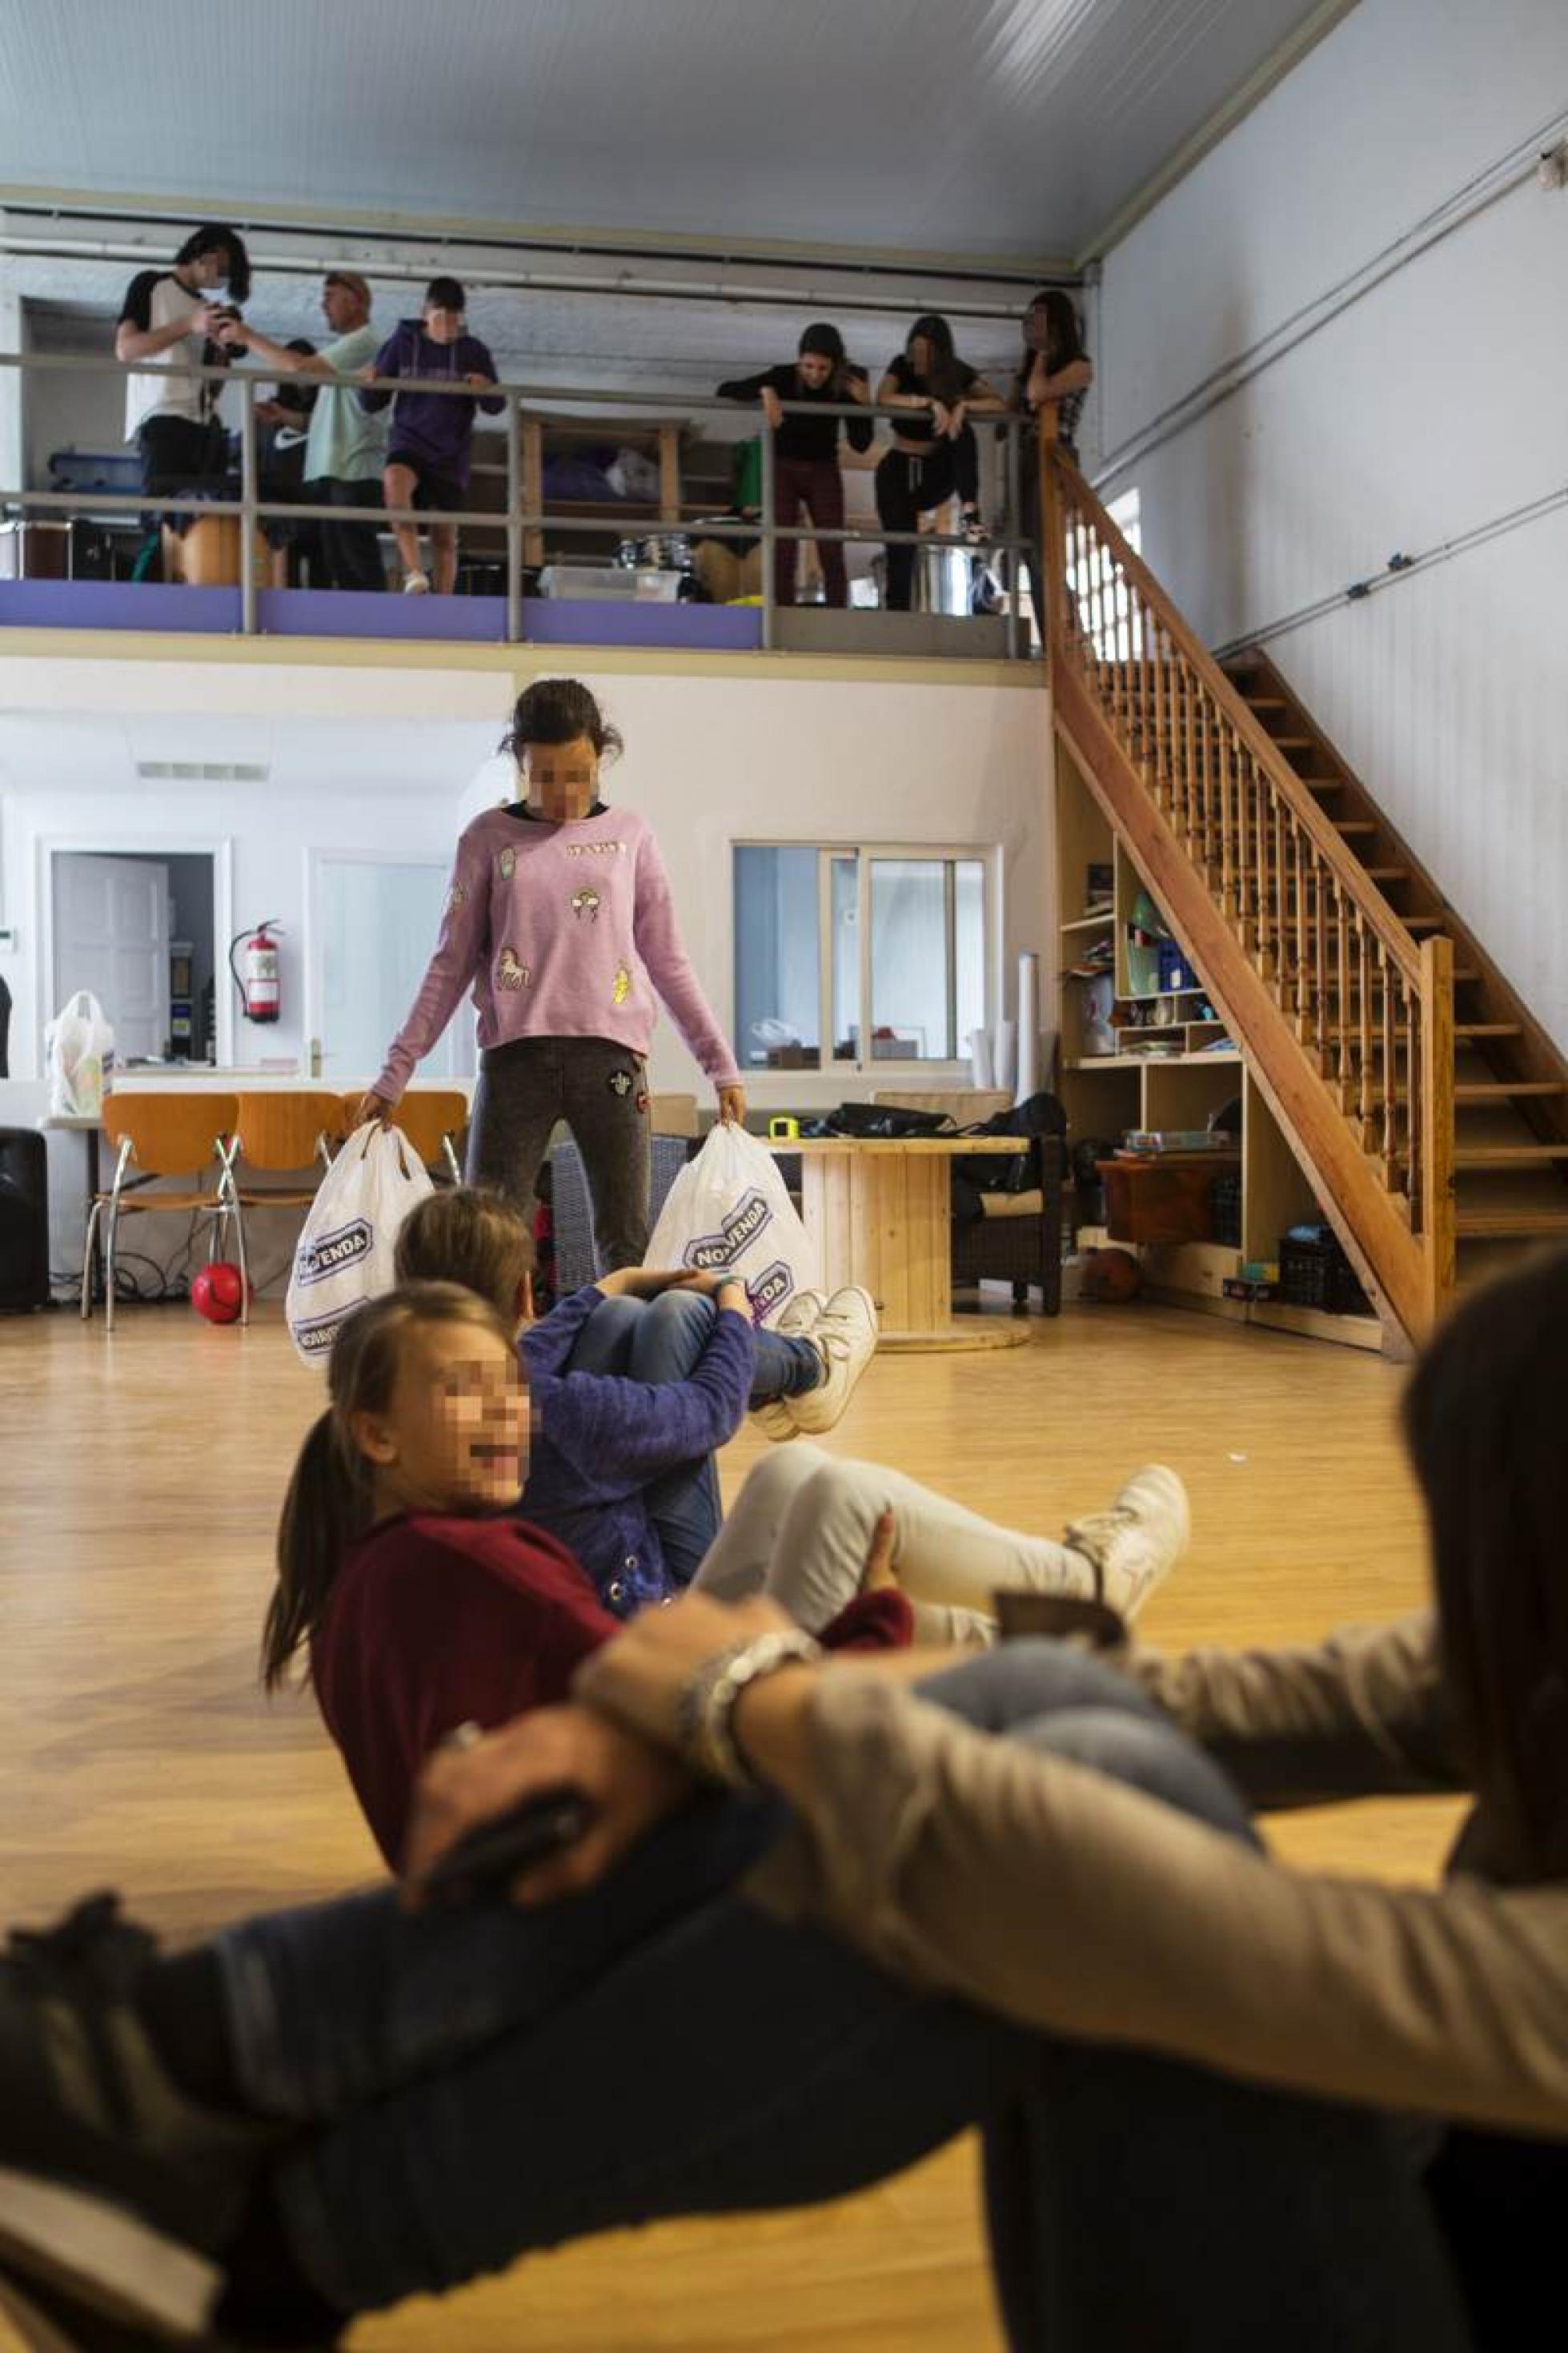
[430, 450]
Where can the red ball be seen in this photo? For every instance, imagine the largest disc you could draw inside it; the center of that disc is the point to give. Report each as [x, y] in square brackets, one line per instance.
[1111, 1276]
[218, 1292]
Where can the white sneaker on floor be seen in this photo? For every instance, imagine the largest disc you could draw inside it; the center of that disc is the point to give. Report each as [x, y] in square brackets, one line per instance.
[846, 1332]
[797, 1321]
[417, 584]
[1133, 1546]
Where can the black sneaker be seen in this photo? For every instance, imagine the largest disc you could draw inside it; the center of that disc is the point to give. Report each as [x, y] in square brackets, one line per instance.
[46, 2319]
[115, 2188]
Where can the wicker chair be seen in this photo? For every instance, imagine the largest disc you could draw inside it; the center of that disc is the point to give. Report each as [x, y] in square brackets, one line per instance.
[576, 1260]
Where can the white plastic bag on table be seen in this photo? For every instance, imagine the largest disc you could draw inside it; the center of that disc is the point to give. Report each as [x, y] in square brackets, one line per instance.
[728, 1213]
[344, 1256]
[78, 1046]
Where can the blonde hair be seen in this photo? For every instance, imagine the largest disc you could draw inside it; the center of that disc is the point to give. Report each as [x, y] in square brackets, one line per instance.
[465, 1235]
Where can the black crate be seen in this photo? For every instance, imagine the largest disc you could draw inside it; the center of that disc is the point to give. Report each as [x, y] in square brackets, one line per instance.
[1225, 1208]
[1315, 1273]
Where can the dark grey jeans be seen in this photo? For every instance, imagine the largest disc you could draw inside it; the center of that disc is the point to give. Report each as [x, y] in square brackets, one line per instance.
[600, 1091]
[490, 2081]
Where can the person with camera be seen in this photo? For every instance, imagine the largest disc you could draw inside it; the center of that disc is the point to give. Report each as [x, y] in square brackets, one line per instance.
[169, 318]
[808, 484]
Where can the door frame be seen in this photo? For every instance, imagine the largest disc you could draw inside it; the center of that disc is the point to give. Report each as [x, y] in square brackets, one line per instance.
[218, 848]
[316, 856]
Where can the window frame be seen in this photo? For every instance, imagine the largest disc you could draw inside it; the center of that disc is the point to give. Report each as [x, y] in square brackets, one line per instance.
[907, 1071]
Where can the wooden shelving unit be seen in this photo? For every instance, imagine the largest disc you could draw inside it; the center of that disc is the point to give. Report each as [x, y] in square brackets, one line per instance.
[1151, 1086]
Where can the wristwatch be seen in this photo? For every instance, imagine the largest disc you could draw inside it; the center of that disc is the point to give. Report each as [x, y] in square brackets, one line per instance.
[705, 1719]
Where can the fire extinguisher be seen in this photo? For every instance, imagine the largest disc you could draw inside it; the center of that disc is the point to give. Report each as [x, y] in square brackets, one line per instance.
[256, 971]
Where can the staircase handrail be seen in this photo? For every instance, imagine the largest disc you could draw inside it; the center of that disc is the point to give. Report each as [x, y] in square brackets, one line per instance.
[1353, 879]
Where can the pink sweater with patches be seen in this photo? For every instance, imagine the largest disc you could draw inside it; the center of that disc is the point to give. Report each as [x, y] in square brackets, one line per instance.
[561, 931]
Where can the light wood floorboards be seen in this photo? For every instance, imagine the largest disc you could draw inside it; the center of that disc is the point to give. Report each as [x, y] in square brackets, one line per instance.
[139, 1483]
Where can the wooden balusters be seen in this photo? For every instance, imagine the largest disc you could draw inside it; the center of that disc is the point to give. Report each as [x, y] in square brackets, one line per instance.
[1388, 980]
[1346, 977]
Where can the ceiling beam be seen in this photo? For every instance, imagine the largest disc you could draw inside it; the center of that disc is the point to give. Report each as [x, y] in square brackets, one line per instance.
[403, 229]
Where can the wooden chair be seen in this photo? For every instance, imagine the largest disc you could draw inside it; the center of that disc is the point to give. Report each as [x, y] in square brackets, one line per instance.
[293, 1129]
[161, 1135]
[433, 1119]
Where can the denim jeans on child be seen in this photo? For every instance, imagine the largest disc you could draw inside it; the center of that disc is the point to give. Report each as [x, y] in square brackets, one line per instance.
[492, 2081]
[662, 1339]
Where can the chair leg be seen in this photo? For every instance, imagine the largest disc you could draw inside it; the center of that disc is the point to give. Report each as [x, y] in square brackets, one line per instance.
[109, 1266]
[244, 1269]
[87, 1262]
[448, 1148]
[1020, 1299]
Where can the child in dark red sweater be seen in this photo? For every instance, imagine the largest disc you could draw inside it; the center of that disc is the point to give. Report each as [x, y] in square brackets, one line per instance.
[423, 1601]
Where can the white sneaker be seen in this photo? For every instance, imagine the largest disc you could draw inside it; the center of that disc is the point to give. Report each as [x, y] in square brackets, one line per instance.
[1133, 1546]
[796, 1322]
[846, 1332]
[417, 584]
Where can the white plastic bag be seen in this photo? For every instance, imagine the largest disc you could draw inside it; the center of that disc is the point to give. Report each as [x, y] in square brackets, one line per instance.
[344, 1256]
[728, 1212]
[78, 1046]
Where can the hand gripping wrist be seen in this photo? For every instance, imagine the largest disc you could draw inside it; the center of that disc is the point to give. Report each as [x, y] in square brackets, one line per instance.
[705, 1719]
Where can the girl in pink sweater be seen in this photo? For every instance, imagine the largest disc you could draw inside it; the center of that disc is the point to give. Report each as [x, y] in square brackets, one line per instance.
[559, 919]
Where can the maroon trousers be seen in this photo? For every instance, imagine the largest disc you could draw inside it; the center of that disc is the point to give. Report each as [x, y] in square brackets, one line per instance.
[818, 484]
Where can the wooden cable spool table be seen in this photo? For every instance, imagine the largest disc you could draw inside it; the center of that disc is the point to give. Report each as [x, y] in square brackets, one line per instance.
[878, 1210]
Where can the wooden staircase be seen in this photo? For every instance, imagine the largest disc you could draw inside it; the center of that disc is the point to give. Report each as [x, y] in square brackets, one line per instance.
[1427, 1107]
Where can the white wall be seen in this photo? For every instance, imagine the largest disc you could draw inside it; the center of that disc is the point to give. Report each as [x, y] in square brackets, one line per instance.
[1424, 408]
[711, 759]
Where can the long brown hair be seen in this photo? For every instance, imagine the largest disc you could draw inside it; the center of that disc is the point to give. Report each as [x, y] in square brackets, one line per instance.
[463, 1234]
[1484, 1424]
[1063, 336]
[329, 1501]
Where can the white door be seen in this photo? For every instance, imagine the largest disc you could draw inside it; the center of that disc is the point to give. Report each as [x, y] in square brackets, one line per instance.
[373, 930]
[112, 936]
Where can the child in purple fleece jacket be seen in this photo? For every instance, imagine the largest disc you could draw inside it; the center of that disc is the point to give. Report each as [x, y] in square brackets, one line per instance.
[430, 450]
[634, 1383]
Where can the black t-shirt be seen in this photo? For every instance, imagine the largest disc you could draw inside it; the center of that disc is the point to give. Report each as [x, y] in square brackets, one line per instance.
[812, 438]
[536, 817]
[918, 427]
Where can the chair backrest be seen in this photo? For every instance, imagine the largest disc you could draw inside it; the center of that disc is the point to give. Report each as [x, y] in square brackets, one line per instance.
[173, 1133]
[426, 1117]
[282, 1130]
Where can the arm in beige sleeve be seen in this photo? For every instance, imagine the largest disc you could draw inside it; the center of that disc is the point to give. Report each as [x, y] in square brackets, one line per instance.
[1362, 1714]
[1076, 1905]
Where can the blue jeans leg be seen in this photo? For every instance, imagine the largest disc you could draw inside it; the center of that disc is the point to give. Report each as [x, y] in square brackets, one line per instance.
[660, 1340]
[684, 1503]
[786, 1366]
[335, 2004]
[604, 1343]
[730, 2062]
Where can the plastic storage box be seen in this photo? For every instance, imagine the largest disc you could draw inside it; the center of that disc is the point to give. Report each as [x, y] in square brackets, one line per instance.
[616, 582]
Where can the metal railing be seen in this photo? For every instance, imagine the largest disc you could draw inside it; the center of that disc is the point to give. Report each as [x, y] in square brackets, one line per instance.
[546, 403]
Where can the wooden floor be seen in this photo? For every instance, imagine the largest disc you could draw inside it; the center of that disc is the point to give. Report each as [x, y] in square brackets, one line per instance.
[139, 1485]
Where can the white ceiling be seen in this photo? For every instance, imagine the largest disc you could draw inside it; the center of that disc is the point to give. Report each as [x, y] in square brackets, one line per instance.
[1011, 129]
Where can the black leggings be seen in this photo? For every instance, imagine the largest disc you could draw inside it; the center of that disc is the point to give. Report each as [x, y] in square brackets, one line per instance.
[909, 486]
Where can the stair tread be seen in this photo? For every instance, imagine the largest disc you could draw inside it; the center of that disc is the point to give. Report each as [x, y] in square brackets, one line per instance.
[1508, 1156]
[1502, 1090]
[1503, 1223]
